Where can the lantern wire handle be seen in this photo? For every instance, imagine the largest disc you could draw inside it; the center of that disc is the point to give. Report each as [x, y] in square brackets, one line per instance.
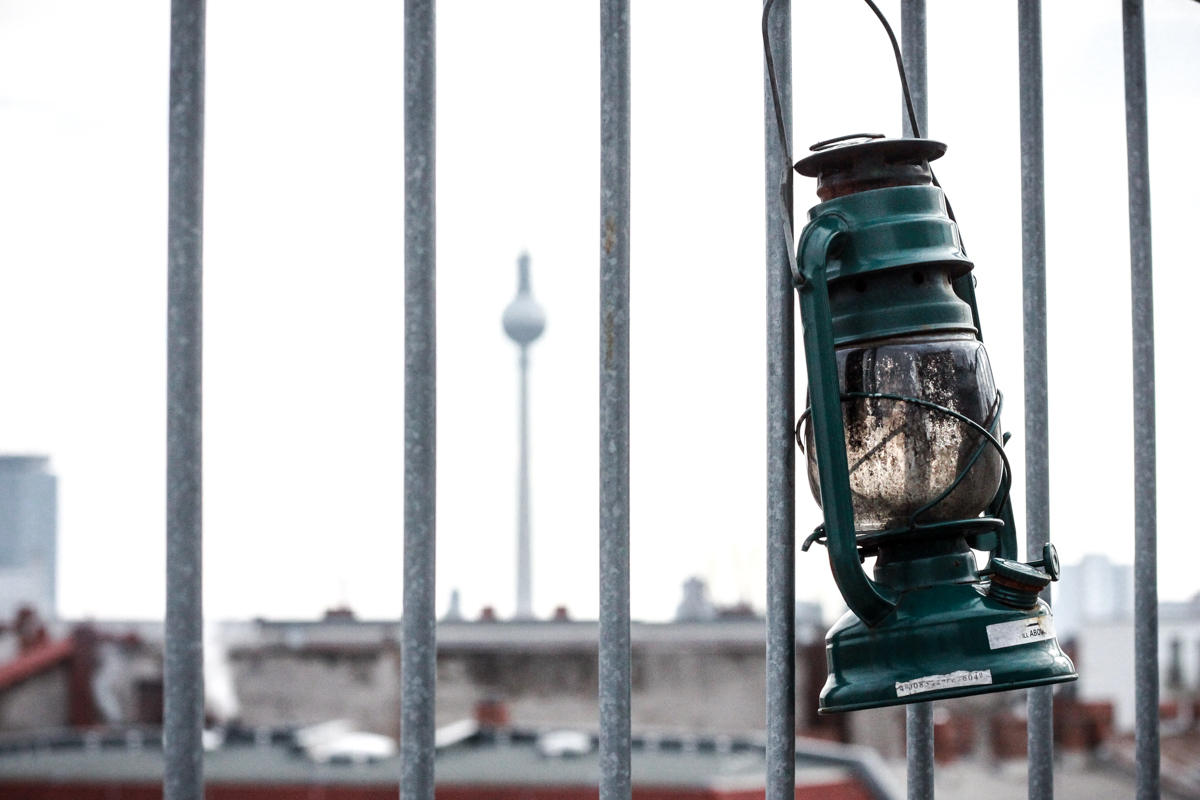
[786, 200]
[912, 114]
[908, 103]
[780, 128]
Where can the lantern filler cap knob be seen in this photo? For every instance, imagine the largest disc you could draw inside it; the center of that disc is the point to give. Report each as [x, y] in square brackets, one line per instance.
[1049, 561]
[863, 161]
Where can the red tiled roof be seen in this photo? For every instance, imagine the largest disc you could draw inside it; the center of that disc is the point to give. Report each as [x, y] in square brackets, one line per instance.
[35, 662]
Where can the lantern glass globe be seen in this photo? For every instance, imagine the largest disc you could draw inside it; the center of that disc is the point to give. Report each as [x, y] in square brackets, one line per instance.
[903, 455]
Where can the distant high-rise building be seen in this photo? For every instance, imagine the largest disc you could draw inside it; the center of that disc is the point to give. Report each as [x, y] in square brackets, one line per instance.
[1093, 591]
[28, 535]
[696, 605]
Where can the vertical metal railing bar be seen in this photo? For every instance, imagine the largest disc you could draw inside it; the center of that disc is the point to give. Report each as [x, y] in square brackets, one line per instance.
[1144, 467]
[616, 661]
[1037, 410]
[183, 667]
[418, 647]
[918, 731]
[781, 413]
[918, 718]
[916, 67]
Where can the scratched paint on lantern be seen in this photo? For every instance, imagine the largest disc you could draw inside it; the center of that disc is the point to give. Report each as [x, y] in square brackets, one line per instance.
[937, 683]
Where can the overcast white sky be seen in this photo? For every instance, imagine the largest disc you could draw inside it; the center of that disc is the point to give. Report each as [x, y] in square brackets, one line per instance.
[303, 283]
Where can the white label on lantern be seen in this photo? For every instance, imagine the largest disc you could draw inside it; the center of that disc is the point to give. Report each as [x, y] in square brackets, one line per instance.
[936, 683]
[1023, 631]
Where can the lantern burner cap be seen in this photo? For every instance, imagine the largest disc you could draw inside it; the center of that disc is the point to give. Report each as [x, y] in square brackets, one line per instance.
[877, 163]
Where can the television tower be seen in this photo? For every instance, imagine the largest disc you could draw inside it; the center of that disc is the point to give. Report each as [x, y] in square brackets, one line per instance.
[524, 322]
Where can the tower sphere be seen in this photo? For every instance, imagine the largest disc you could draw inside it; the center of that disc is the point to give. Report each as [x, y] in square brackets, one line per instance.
[524, 319]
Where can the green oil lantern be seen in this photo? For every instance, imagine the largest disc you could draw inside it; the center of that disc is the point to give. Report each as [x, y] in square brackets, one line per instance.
[905, 453]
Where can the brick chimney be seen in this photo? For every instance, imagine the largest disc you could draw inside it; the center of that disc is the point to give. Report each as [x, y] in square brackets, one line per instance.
[492, 712]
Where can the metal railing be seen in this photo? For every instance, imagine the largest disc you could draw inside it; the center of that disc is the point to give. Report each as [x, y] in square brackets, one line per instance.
[781, 416]
[183, 662]
[616, 658]
[1040, 716]
[1145, 559]
[183, 674]
[918, 717]
[418, 653]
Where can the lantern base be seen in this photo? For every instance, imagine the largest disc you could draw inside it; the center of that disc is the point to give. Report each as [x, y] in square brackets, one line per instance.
[950, 640]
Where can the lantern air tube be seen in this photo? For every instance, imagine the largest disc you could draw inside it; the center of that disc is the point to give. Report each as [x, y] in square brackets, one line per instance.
[867, 599]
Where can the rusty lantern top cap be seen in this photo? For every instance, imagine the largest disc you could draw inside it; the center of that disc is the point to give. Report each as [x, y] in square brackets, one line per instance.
[859, 166]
